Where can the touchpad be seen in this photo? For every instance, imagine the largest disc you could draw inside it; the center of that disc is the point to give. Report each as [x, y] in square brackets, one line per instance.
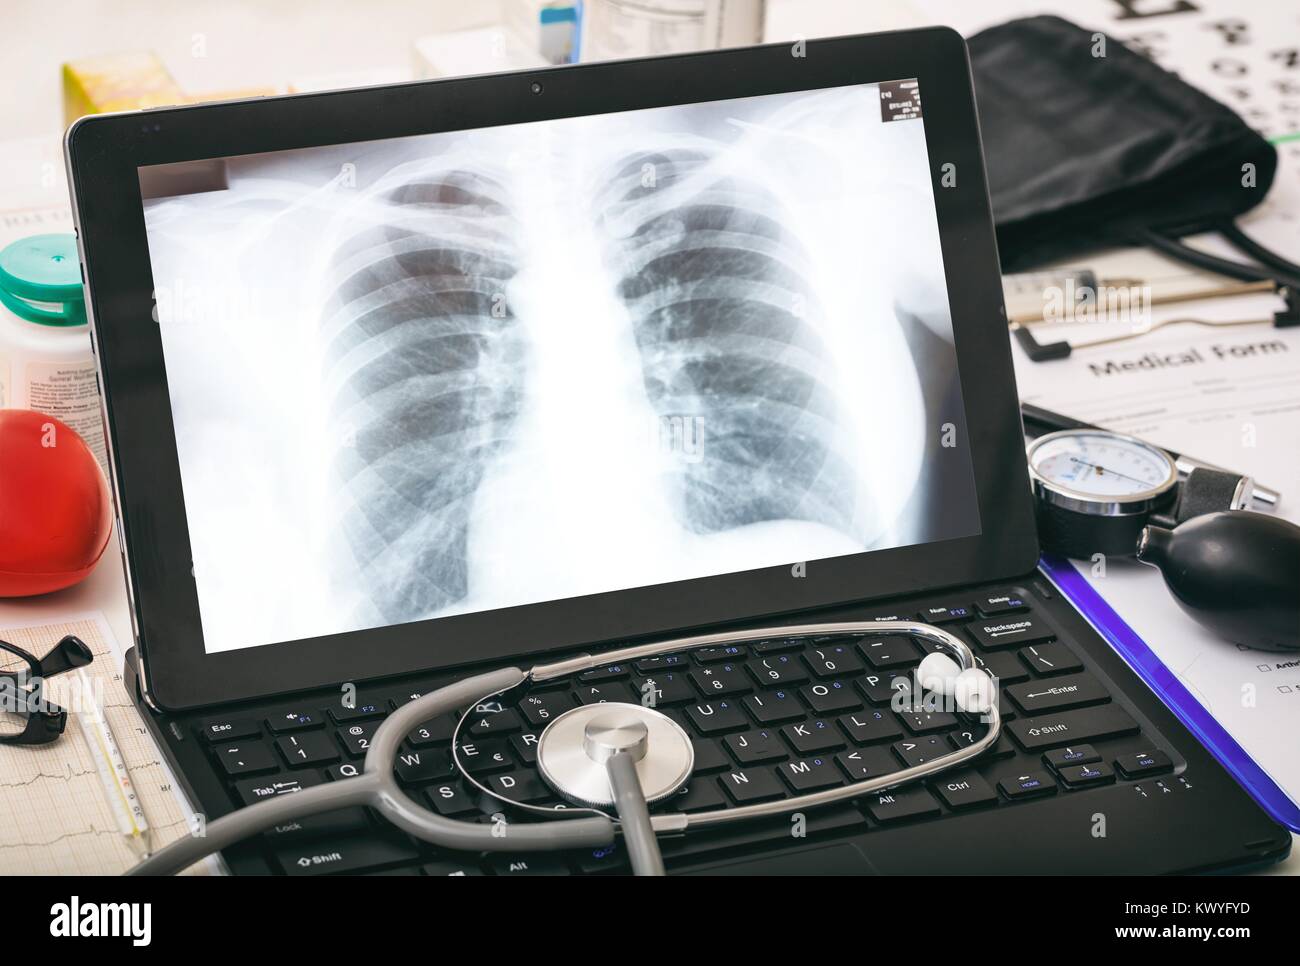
[842, 859]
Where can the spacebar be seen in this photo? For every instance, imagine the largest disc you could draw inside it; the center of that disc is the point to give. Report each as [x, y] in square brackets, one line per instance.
[1071, 727]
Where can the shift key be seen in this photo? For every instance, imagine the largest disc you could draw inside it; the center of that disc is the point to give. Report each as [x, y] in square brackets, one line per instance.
[1072, 727]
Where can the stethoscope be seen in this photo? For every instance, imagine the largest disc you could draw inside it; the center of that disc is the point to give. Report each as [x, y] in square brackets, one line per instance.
[613, 756]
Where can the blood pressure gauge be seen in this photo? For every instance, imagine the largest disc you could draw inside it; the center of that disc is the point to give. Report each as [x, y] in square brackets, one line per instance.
[1095, 490]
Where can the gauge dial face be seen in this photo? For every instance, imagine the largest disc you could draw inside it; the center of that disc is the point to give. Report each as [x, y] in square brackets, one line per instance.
[1102, 465]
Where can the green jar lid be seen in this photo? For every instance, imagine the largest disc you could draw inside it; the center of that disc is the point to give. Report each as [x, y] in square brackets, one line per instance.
[40, 280]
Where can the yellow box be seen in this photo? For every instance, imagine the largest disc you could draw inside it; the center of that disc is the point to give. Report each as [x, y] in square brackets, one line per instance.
[117, 82]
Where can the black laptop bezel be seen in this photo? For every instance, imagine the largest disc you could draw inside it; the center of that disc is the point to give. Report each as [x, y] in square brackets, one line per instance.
[104, 153]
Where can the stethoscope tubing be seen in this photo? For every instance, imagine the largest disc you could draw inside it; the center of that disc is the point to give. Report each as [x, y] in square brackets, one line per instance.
[377, 785]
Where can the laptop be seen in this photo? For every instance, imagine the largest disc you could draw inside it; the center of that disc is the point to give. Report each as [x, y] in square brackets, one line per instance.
[410, 382]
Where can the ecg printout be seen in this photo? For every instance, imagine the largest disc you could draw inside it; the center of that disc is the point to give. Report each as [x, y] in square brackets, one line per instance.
[54, 817]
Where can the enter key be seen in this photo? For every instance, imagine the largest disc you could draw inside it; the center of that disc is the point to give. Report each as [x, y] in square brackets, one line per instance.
[1073, 691]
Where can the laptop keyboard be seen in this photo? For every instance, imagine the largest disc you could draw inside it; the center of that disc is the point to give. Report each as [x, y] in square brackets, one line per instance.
[770, 719]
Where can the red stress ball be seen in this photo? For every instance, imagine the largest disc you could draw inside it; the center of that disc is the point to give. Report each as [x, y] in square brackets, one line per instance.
[55, 516]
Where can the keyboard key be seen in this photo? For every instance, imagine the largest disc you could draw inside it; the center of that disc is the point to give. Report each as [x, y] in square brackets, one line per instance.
[828, 697]
[1003, 602]
[342, 715]
[522, 786]
[1028, 785]
[1013, 631]
[308, 748]
[426, 765]
[1054, 658]
[751, 785]
[347, 769]
[881, 688]
[606, 672]
[715, 717]
[356, 737]
[526, 865]
[482, 725]
[1002, 748]
[864, 727]
[776, 645]
[860, 764]
[711, 655]
[397, 700]
[253, 790]
[1071, 727]
[1071, 755]
[965, 789]
[485, 757]
[709, 756]
[698, 796]
[525, 746]
[667, 688]
[341, 821]
[1003, 666]
[600, 692]
[927, 722]
[605, 859]
[1073, 691]
[662, 662]
[757, 747]
[539, 709]
[352, 854]
[778, 669]
[294, 721]
[921, 751]
[810, 737]
[775, 707]
[436, 732]
[1079, 776]
[448, 867]
[810, 774]
[246, 758]
[888, 651]
[1143, 763]
[833, 660]
[912, 801]
[940, 614]
[717, 680]
[228, 729]
[450, 799]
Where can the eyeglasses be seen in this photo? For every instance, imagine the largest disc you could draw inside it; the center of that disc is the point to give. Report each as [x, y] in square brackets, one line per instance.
[26, 717]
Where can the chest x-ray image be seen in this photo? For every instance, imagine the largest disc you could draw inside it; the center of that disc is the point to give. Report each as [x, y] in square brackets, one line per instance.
[473, 370]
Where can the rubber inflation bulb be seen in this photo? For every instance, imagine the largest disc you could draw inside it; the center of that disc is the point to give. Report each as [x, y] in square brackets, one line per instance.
[1236, 572]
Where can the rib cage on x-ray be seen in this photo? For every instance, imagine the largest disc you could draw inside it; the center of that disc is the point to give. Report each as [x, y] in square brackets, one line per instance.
[726, 324]
[424, 361]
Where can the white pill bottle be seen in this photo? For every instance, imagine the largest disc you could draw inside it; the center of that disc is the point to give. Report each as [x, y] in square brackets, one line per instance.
[46, 362]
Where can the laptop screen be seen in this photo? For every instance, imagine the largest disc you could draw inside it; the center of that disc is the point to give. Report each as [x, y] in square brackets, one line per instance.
[471, 370]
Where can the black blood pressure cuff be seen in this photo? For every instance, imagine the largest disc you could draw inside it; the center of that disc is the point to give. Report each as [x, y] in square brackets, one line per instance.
[1090, 146]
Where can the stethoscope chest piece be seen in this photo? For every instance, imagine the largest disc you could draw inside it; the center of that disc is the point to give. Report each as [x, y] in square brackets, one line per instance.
[573, 750]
